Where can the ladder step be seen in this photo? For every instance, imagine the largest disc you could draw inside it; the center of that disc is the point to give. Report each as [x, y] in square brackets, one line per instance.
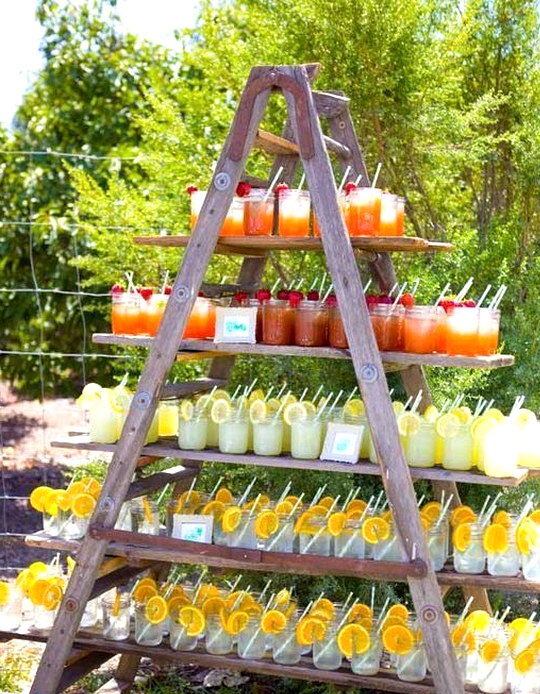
[160, 479]
[115, 686]
[274, 144]
[73, 673]
[170, 549]
[214, 291]
[180, 390]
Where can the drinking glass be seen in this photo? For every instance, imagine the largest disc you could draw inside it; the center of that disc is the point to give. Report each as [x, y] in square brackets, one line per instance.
[115, 617]
[293, 212]
[258, 213]
[146, 633]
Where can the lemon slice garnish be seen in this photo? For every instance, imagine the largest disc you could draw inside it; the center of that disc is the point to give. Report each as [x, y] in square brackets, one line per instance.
[221, 410]
[354, 408]
[408, 423]
[294, 412]
[186, 409]
[258, 411]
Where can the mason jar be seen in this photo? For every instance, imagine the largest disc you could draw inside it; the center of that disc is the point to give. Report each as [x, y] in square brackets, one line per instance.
[473, 559]
[146, 633]
[115, 617]
[252, 640]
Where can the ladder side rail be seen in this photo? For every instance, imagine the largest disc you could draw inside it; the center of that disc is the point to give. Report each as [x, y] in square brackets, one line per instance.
[160, 359]
[372, 382]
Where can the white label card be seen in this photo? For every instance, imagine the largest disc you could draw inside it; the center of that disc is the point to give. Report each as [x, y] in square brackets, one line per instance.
[342, 442]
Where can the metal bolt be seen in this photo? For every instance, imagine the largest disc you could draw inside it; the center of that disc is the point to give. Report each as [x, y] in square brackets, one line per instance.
[429, 614]
[142, 400]
[181, 294]
[107, 504]
[369, 373]
[222, 181]
[71, 605]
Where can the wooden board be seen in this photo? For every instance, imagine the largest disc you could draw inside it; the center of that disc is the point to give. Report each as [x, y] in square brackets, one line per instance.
[166, 448]
[204, 349]
[385, 680]
[259, 245]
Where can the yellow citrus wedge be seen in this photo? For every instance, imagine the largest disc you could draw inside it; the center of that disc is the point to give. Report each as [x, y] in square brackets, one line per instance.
[432, 510]
[236, 622]
[273, 622]
[186, 410]
[258, 411]
[496, 539]
[463, 413]
[37, 590]
[462, 514]
[39, 496]
[294, 412]
[375, 530]
[354, 408]
[430, 414]
[83, 505]
[192, 619]
[409, 423]
[310, 629]
[353, 639]
[266, 524]
[220, 411]
[447, 425]
[490, 650]
[52, 596]
[398, 610]
[398, 639]
[478, 621]
[461, 537]
[224, 495]
[527, 536]
[4, 593]
[156, 609]
[90, 397]
[231, 518]
[336, 523]
[495, 414]
[143, 592]
[462, 637]
[283, 507]
[58, 500]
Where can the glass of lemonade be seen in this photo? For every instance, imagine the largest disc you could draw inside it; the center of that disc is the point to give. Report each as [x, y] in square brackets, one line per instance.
[326, 653]
[368, 663]
[193, 433]
[412, 667]
[420, 446]
[306, 438]
[268, 436]
[252, 640]
[146, 633]
[234, 432]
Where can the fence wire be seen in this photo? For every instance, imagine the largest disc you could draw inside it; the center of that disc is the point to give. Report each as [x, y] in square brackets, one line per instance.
[21, 470]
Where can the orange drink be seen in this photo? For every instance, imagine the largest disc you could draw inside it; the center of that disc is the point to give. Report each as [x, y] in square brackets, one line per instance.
[387, 321]
[202, 320]
[258, 213]
[234, 221]
[389, 215]
[126, 313]
[311, 324]
[365, 211]
[336, 332]
[293, 212]
[153, 313]
[278, 322]
[420, 329]
[488, 331]
[462, 330]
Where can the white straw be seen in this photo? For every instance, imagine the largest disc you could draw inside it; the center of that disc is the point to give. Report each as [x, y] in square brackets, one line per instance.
[302, 180]
[376, 176]
[463, 291]
[273, 184]
[482, 298]
[345, 176]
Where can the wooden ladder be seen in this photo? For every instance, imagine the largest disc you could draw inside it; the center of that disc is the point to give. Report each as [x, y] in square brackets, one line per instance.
[303, 142]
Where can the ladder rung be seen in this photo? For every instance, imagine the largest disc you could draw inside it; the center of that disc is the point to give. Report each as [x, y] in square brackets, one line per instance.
[179, 390]
[274, 144]
[160, 479]
[337, 147]
[72, 673]
[329, 104]
[217, 290]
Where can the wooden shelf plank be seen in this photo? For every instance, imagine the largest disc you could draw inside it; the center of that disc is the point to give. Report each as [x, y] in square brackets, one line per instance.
[385, 680]
[259, 245]
[517, 584]
[167, 448]
[210, 349]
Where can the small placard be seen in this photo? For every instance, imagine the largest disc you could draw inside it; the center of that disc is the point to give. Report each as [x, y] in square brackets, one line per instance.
[343, 442]
[192, 528]
[236, 324]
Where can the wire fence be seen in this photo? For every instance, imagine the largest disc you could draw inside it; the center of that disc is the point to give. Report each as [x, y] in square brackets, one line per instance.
[24, 465]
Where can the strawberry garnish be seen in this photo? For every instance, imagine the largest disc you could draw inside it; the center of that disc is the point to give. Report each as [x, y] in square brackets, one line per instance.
[407, 300]
[283, 294]
[240, 297]
[168, 290]
[331, 300]
[313, 295]
[145, 292]
[243, 189]
[191, 189]
[295, 297]
[263, 295]
[350, 186]
[117, 289]
[469, 303]
[280, 188]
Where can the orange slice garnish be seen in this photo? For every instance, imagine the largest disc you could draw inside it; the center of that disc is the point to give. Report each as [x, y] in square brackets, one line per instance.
[398, 610]
[231, 519]
[490, 650]
[398, 639]
[310, 629]
[273, 622]
[83, 505]
[224, 495]
[266, 524]
[4, 593]
[375, 530]
[156, 609]
[192, 619]
[462, 536]
[38, 497]
[496, 539]
[353, 639]
[236, 622]
[336, 523]
[462, 514]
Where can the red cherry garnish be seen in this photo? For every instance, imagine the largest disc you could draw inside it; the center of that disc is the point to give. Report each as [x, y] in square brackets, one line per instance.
[117, 289]
[243, 189]
[240, 297]
[168, 290]
[313, 295]
[145, 292]
[350, 186]
[283, 294]
[280, 188]
[407, 300]
[263, 295]
[191, 189]
[295, 297]
[331, 300]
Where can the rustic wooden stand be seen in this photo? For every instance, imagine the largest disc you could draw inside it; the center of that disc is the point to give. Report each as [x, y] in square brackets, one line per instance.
[71, 652]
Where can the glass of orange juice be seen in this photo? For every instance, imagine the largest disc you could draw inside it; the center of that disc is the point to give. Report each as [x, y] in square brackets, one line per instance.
[202, 320]
[234, 221]
[153, 312]
[462, 330]
[420, 329]
[293, 212]
[127, 313]
[258, 213]
[389, 215]
[365, 211]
